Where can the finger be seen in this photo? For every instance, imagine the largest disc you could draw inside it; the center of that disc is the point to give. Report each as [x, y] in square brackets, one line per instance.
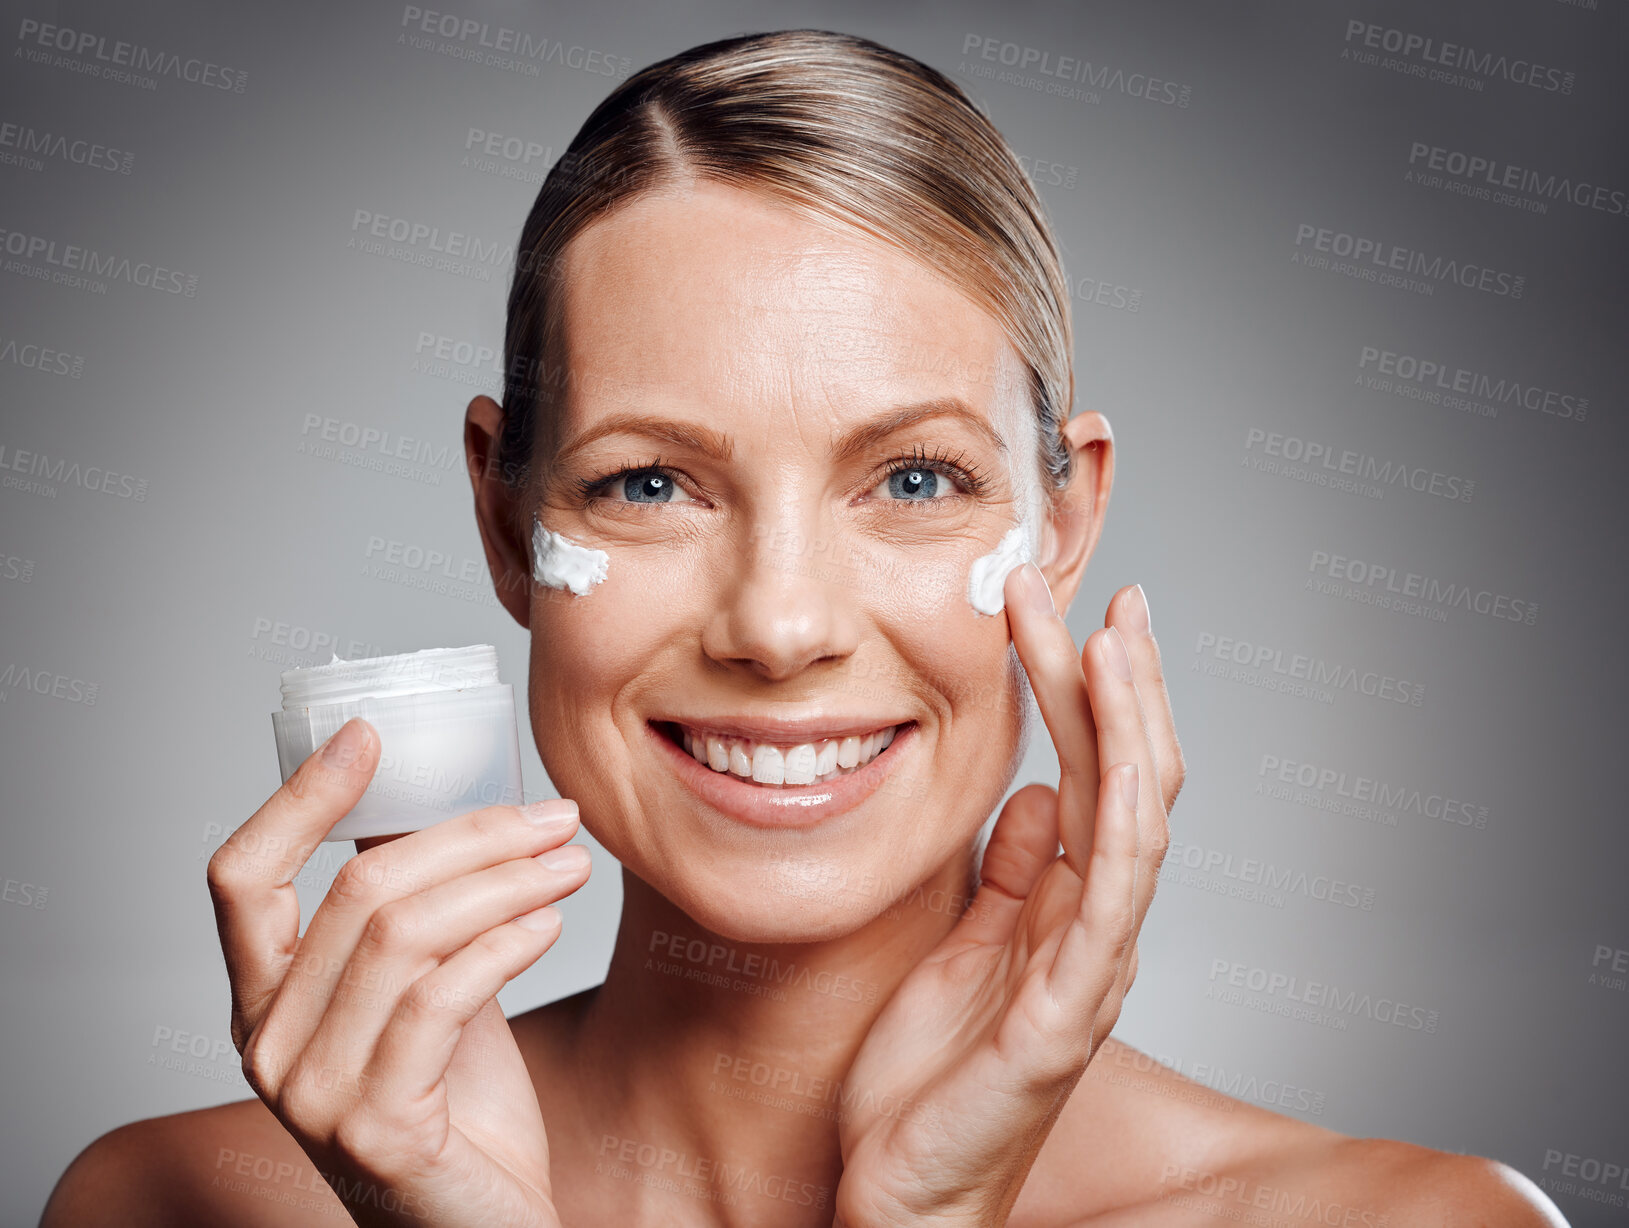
[415, 862]
[407, 939]
[1095, 947]
[251, 876]
[1122, 735]
[1023, 844]
[418, 1043]
[1054, 667]
[1128, 612]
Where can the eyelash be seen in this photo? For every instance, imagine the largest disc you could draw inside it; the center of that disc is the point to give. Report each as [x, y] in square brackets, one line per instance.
[954, 465]
[589, 488]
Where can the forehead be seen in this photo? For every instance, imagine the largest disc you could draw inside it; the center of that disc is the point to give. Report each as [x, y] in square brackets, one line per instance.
[717, 295]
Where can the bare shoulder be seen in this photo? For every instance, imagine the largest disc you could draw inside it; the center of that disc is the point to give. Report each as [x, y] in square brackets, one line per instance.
[231, 1164]
[1139, 1144]
[1444, 1188]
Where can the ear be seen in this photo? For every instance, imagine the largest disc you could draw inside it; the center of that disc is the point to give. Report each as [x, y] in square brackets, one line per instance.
[497, 507]
[1071, 527]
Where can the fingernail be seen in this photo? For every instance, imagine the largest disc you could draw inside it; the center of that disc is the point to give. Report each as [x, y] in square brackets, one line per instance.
[1037, 591]
[1115, 656]
[565, 859]
[1137, 611]
[1128, 785]
[557, 811]
[547, 918]
[345, 747]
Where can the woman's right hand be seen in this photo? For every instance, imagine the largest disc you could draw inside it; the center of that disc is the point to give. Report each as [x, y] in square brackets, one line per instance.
[376, 1037]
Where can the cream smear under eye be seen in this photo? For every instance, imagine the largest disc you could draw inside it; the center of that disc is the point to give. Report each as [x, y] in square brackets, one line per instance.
[560, 563]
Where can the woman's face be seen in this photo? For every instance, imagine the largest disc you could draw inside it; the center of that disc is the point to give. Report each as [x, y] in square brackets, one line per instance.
[792, 441]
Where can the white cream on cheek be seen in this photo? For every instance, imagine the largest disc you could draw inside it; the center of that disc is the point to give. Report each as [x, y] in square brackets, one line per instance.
[1019, 545]
[990, 572]
[564, 564]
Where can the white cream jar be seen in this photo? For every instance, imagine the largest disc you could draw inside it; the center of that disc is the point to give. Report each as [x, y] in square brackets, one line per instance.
[448, 742]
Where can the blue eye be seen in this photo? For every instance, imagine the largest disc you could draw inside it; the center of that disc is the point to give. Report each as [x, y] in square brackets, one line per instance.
[913, 484]
[648, 486]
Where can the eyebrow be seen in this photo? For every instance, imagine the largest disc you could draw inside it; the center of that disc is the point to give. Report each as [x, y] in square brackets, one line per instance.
[721, 447]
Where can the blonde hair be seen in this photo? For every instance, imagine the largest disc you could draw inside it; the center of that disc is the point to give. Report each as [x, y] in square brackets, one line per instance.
[831, 123]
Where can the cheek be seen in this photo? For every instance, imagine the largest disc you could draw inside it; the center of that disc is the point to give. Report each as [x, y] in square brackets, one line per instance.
[588, 648]
[965, 660]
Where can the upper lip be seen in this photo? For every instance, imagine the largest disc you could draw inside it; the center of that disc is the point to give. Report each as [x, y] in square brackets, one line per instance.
[787, 730]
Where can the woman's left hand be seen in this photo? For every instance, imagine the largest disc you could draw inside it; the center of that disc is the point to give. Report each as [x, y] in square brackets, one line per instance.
[966, 1069]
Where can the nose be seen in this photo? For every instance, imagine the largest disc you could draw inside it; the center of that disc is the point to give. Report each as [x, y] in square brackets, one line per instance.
[787, 603]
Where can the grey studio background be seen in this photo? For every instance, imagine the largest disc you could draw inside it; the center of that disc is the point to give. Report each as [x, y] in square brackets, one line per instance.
[1348, 284]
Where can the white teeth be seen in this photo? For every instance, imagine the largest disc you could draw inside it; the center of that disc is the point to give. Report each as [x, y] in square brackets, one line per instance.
[768, 765]
[802, 764]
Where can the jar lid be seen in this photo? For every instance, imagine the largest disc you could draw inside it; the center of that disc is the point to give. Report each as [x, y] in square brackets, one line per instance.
[408, 673]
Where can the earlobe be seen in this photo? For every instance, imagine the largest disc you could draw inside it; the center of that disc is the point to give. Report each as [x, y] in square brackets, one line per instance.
[507, 560]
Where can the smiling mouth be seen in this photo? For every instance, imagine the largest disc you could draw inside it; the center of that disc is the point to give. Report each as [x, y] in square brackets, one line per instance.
[777, 765]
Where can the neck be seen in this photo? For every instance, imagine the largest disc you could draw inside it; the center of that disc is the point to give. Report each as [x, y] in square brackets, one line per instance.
[725, 1060]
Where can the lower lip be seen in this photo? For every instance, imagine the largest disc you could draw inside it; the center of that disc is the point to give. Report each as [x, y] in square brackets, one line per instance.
[782, 805]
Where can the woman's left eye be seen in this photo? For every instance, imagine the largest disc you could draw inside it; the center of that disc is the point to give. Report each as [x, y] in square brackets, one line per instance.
[915, 483]
[645, 486]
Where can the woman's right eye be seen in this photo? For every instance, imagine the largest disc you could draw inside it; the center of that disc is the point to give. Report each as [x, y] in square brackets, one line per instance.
[644, 486]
